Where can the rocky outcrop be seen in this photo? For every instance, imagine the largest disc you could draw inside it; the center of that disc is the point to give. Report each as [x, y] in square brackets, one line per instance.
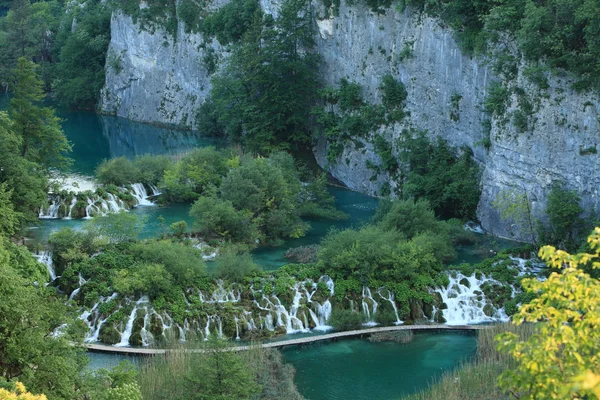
[153, 76]
[163, 80]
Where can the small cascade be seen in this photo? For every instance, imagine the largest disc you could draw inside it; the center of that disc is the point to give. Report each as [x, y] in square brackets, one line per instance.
[126, 334]
[51, 212]
[76, 291]
[466, 303]
[96, 323]
[369, 312]
[73, 203]
[58, 332]
[391, 298]
[90, 209]
[45, 257]
[220, 295]
[215, 319]
[237, 327]
[329, 282]
[145, 334]
[141, 195]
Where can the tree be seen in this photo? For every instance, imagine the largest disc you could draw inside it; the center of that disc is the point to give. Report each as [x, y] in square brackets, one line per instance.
[28, 315]
[42, 138]
[221, 375]
[118, 227]
[563, 211]
[216, 218]
[562, 359]
[20, 177]
[20, 393]
[81, 52]
[264, 95]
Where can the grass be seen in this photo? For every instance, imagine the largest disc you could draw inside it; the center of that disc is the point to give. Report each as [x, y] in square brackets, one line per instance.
[477, 380]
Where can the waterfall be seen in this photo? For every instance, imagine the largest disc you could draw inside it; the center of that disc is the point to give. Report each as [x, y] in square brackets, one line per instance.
[51, 212]
[45, 257]
[145, 334]
[220, 295]
[237, 327]
[141, 195]
[126, 334]
[466, 303]
[73, 203]
[391, 298]
[76, 291]
[370, 315]
[95, 325]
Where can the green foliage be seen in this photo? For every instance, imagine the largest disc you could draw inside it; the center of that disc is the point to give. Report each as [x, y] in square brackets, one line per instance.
[81, 54]
[264, 95]
[375, 254]
[178, 228]
[230, 22]
[10, 218]
[495, 102]
[345, 320]
[41, 137]
[196, 172]
[406, 216]
[122, 171]
[217, 218]
[207, 120]
[117, 227]
[564, 222]
[448, 181]
[560, 359]
[118, 171]
[256, 374]
[28, 353]
[394, 93]
[234, 264]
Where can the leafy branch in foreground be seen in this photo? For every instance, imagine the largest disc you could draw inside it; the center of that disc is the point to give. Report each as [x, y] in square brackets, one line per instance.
[562, 359]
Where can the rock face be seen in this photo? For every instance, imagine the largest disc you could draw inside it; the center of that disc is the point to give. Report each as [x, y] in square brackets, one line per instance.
[159, 78]
[163, 80]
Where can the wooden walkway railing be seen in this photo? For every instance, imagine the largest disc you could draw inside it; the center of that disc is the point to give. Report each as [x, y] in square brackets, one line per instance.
[291, 342]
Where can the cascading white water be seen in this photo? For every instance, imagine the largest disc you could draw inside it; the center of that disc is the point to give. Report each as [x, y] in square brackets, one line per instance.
[369, 312]
[51, 212]
[95, 324]
[126, 334]
[237, 327]
[465, 301]
[391, 298]
[220, 295]
[45, 257]
[73, 203]
[141, 195]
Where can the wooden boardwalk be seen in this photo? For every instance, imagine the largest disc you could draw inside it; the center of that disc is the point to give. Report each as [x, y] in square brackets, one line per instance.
[291, 342]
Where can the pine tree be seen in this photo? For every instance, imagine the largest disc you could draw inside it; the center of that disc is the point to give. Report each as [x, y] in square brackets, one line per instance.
[42, 138]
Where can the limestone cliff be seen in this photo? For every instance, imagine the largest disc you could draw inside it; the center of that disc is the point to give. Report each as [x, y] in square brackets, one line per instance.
[163, 80]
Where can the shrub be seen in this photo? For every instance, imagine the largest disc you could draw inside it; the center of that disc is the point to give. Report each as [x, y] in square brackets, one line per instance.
[345, 320]
[303, 254]
[217, 218]
[118, 171]
[150, 169]
[235, 265]
[394, 93]
[178, 228]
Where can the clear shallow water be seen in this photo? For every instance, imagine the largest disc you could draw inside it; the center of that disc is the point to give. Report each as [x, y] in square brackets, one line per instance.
[361, 370]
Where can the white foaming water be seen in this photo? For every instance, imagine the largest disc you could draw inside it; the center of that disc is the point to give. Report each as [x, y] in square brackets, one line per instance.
[51, 212]
[367, 298]
[391, 299]
[73, 203]
[45, 257]
[141, 195]
[466, 302]
[126, 334]
[95, 324]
